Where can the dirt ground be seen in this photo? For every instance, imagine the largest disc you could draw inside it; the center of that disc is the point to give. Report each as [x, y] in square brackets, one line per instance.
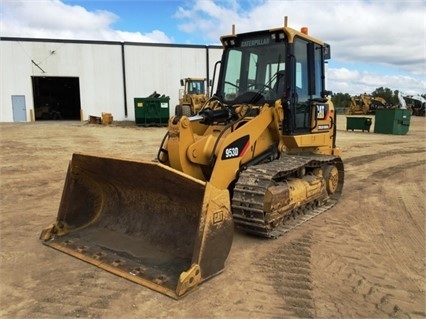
[364, 258]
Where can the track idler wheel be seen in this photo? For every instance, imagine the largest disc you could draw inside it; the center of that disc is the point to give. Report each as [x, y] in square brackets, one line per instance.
[331, 177]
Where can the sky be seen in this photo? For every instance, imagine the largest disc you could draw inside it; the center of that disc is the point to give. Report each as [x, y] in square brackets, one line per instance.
[374, 43]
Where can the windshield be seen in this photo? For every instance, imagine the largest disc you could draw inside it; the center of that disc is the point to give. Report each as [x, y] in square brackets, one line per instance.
[254, 69]
[196, 87]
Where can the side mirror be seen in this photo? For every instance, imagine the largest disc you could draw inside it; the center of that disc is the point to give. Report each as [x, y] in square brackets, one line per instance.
[327, 51]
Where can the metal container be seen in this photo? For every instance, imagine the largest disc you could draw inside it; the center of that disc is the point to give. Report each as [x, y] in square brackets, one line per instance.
[358, 123]
[152, 111]
[395, 122]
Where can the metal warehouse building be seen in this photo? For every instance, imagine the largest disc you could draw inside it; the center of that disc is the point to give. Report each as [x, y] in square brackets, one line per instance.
[78, 79]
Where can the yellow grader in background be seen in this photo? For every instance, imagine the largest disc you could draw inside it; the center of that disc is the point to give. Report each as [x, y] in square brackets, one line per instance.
[260, 155]
[192, 97]
[365, 104]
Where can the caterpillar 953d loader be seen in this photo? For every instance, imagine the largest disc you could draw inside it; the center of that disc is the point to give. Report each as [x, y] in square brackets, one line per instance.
[260, 155]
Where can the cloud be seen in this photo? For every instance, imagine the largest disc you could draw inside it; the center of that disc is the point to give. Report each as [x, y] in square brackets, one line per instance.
[374, 43]
[356, 82]
[62, 21]
[374, 34]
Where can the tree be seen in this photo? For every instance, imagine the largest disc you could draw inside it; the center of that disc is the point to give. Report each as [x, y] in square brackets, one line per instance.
[387, 94]
[341, 100]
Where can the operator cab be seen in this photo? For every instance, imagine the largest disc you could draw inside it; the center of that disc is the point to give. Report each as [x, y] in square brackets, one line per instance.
[261, 67]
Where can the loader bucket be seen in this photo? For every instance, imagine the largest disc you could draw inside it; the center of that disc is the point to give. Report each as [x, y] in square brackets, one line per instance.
[143, 221]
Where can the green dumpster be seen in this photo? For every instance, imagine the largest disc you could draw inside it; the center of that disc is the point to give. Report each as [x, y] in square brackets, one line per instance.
[358, 123]
[395, 121]
[151, 111]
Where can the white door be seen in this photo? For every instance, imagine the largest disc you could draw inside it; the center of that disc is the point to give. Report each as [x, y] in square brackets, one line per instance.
[19, 109]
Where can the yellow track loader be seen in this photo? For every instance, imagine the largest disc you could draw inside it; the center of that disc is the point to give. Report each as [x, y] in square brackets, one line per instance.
[260, 155]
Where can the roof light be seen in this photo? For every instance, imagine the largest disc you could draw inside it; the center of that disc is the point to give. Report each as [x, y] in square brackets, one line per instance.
[278, 36]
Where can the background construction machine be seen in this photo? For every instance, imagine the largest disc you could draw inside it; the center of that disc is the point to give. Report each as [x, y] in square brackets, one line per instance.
[365, 104]
[416, 103]
[192, 96]
[261, 155]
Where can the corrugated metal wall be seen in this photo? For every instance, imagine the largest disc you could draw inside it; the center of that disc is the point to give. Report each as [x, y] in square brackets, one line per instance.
[99, 67]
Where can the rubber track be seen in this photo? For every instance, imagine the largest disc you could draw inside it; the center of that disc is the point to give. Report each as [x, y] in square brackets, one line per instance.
[252, 184]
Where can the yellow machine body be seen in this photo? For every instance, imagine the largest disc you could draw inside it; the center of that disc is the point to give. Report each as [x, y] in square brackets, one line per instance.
[365, 104]
[192, 96]
[256, 156]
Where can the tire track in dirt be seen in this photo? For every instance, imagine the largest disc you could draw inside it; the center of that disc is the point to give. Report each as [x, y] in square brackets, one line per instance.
[398, 160]
[407, 217]
[365, 159]
[402, 254]
[289, 268]
[414, 203]
[373, 254]
[395, 241]
[355, 264]
[392, 170]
